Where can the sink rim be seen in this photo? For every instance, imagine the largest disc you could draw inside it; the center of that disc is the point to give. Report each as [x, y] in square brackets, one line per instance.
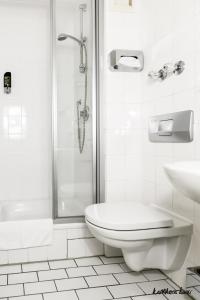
[189, 166]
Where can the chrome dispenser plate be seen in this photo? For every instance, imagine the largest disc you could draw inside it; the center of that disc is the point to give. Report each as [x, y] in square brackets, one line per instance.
[126, 60]
[174, 127]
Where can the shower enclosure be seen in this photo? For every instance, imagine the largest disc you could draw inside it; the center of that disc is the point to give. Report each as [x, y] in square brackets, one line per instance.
[75, 119]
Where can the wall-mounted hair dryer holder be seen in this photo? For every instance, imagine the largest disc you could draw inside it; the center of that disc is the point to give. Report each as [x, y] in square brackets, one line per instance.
[126, 60]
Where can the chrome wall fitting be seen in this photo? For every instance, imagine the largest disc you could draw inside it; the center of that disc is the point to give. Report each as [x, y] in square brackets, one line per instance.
[167, 71]
[179, 67]
[174, 127]
[126, 60]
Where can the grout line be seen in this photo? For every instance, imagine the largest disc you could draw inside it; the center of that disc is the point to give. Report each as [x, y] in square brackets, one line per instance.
[23, 288]
[37, 276]
[76, 294]
[76, 263]
[107, 287]
[115, 277]
[94, 271]
[145, 276]
[172, 285]
[141, 289]
[101, 260]
[66, 272]
[55, 285]
[86, 282]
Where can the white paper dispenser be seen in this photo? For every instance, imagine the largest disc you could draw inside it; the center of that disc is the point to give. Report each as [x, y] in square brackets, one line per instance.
[172, 128]
[126, 60]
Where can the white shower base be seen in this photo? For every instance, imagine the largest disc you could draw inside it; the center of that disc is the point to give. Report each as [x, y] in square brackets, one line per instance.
[69, 241]
[24, 210]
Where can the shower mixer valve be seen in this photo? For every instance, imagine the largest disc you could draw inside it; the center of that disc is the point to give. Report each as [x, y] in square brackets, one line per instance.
[168, 70]
[84, 113]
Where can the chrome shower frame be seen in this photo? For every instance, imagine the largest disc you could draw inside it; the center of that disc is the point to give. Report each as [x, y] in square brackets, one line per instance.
[97, 112]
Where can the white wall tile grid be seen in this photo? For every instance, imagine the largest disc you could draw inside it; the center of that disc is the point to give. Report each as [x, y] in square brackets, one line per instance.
[133, 164]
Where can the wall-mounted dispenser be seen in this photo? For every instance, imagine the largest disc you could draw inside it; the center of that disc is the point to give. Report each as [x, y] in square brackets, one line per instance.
[7, 82]
[172, 128]
[126, 60]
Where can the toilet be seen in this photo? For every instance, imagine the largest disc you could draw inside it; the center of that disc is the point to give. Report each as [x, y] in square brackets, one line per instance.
[148, 236]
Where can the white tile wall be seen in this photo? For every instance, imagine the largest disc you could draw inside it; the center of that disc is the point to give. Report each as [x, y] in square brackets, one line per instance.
[17, 256]
[84, 247]
[131, 98]
[58, 250]
[25, 113]
[69, 241]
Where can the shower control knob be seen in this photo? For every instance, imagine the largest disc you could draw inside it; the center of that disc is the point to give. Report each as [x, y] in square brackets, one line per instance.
[82, 68]
[85, 113]
[179, 67]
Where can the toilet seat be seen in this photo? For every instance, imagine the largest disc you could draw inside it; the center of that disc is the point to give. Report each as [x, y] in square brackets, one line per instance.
[127, 216]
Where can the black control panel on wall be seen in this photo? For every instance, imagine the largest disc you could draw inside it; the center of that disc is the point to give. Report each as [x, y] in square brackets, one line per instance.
[7, 82]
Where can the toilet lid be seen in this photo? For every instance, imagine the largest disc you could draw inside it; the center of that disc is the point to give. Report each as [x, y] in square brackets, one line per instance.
[127, 216]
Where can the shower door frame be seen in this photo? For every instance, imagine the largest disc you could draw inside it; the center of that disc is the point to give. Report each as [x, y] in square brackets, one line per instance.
[97, 111]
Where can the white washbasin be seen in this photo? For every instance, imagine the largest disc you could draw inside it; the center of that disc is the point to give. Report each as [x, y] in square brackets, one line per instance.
[185, 177]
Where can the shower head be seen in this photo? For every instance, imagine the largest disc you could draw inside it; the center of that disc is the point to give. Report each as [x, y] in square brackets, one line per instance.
[64, 36]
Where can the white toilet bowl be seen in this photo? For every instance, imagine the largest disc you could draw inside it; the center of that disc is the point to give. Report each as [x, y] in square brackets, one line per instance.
[148, 236]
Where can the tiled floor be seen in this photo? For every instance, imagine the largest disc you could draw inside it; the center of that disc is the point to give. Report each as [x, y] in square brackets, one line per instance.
[95, 278]
[193, 283]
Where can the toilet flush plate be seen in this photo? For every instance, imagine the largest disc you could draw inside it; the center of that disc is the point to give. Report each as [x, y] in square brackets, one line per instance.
[174, 127]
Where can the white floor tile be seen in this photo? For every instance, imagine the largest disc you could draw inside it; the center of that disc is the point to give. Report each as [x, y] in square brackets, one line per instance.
[197, 277]
[197, 288]
[35, 266]
[174, 285]
[195, 294]
[22, 278]
[108, 269]
[123, 299]
[125, 268]
[178, 297]
[94, 293]
[112, 260]
[80, 271]
[101, 280]
[70, 295]
[3, 280]
[125, 290]
[11, 290]
[39, 287]
[130, 277]
[148, 287]
[150, 297]
[188, 271]
[70, 284]
[31, 297]
[9, 269]
[88, 261]
[52, 274]
[59, 264]
[154, 275]
[191, 281]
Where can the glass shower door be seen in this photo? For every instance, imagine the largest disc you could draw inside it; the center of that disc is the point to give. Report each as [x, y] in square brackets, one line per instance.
[73, 132]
